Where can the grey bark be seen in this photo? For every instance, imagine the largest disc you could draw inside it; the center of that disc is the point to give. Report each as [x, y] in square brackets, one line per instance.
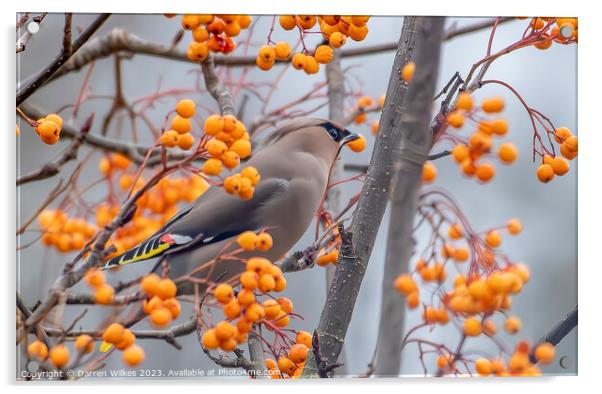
[415, 145]
[336, 105]
[355, 251]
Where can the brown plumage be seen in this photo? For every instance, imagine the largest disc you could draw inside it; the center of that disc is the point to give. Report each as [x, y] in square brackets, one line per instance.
[294, 168]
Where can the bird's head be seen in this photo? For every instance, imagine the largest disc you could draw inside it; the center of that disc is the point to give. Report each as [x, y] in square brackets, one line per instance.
[320, 137]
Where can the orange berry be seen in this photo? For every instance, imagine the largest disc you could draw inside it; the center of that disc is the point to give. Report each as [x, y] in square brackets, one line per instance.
[267, 283]
[560, 166]
[282, 50]
[173, 305]
[267, 54]
[272, 309]
[210, 340]
[49, 132]
[84, 343]
[455, 119]
[186, 107]
[298, 60]
[37, 349]
[464, 101]
[127, 340]
[199, 34]
[56, 119]
[545, 173]
[374, 127]
[561, 134]
[224, 331]
[493, 239]
[213, 124]
[216, 148]
[512, 325]
[94, 278]
[185, 141]
[545, 353]
[242, 148]
[160, 316]
[59, 355]
[493, 105]
[455, 231]
[246, 297]
[180, 124]
[306, 21]
[407, 72]
[337, 39]
[460, 153]
[170, 138]
[507, 152]
[405, 284]
[324, 54]
[413, 299]
[460, 254]
[286, 304]
[483, 366]
[133, 355]
[249, 280]
[247, 240]
[358, 144]
[212, 167]
[514, 226]
[499, 126]
[197, 51]
[113, 333]
[304, 338]
[311, 65]
[150, 284]
[286, 365]
[230, 159]
[264, 241]
[444, 360]
[566, 153]
[190, 21]
[472, 327]
[298, 353]
[104, 294]
[254, 312]
[489, 327]
[223, 293]
[429, 172]
[252, 174]
[167, 289]
[485, 172]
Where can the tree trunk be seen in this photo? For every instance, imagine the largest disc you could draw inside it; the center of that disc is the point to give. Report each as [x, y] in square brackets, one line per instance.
[357, 247]
[415, 145]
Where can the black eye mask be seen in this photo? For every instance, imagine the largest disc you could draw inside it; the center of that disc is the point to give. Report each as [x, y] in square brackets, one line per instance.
[335, 133]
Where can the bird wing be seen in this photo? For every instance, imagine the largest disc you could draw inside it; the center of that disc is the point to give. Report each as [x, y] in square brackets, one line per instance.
[214, 216]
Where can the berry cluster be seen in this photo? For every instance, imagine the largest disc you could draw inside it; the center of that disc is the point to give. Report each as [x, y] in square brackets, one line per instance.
[123, 339]
[179, 133]
[291, 365]
[64, 233]
[243, 183]
[229, 144]
[213, 33]
[48, 128]
[160, 304]
[103, 292]
[557, 165]
[260, 277]
[480, 142]
[334, 29]
[559, 30]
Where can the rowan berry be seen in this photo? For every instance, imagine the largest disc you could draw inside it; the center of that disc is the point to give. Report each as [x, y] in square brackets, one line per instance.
[282, 50]
[298, 353]
[429, 172]
[133, 355]
[167, 289]
[337, 39]
[514, 226]
[59, 355]
[210, 340]
[460, 153]
[561, 134]
[493, 105]
[545, 353]
[212, 167]
[113, 333]
[324, 54]
[160, 316]
[357, 145]
[545, 173]
[483, 366]
[507, 153]
[242, 148]
[224, 331]
[311, 65]
[287, 22]
[298, 61]
[104, 294]
[252, 174]
[246, 297]
[84, 343]
[185, 141]
[37, 349]
[407, 72]
[472, 327]
[460, 254]
[455, 119]
[264, 241]
[94, 278]
[512, 325]
[464, 101]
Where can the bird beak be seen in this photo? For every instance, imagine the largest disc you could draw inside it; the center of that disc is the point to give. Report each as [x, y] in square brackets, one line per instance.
[349, 137]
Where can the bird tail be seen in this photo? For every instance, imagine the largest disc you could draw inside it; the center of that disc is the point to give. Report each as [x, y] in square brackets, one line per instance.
[152, 247]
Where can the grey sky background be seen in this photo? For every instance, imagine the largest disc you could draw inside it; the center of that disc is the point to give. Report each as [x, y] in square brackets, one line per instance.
[546, 79]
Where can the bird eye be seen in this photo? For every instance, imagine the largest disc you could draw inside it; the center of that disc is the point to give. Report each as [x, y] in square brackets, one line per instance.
[334, 133]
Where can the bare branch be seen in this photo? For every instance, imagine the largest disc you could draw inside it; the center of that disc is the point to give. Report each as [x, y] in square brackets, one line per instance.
[26, 91]
[217, 90]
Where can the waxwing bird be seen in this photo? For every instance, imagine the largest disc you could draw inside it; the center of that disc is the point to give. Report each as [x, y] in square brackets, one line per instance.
[294, 167]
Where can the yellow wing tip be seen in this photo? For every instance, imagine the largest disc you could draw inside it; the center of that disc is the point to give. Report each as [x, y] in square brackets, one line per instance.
[105, 347]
